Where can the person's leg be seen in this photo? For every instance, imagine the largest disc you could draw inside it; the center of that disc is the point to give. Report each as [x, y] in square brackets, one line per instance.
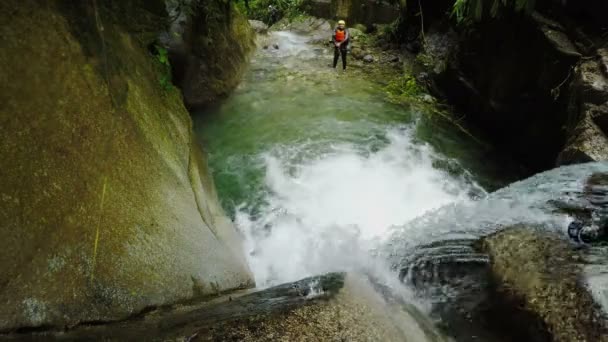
[336, 56]
[343, 53]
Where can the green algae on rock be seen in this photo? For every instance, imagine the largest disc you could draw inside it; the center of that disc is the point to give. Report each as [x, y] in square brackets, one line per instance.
[107, 204]
[209, 50]
[539, 278]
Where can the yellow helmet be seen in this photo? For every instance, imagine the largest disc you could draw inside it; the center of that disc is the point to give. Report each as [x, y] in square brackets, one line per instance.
[341, 22]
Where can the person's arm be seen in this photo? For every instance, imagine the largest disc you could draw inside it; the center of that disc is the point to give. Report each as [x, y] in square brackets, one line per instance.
[346, 36]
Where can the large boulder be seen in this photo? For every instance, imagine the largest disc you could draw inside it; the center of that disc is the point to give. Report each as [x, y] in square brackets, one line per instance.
[541, 288]
[209, 48]
[587, 143]
[588, 112]
[258, 26]
[107, 205]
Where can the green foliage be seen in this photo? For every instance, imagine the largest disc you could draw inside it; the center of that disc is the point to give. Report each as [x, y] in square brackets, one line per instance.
[475, 10]
[403, 89]
[291, 9]
[162, 57]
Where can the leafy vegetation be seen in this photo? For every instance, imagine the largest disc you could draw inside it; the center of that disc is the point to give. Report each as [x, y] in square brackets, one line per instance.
[162, 57]
[259, 9]
[476, 10]
[405, 90]
[468, 11]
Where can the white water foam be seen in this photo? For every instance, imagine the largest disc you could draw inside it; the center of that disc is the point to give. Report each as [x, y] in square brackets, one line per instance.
[327, 214]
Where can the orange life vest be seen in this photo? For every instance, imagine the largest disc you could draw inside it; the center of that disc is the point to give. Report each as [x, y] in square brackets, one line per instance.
[340, 35]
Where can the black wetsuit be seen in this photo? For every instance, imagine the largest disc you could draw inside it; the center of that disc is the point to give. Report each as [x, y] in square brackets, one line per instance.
[342, 50]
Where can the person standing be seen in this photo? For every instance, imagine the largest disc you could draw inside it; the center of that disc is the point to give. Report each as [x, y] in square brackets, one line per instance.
[340, 39]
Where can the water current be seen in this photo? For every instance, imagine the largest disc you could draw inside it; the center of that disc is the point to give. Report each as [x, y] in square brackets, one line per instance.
[321, 173]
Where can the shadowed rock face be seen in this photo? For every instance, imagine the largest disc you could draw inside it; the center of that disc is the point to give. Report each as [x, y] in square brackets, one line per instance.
[505, 76]
[106, 203]
[534, 84]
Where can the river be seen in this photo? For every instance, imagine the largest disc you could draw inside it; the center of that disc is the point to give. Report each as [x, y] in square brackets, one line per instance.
[321, 173]
[315, 165]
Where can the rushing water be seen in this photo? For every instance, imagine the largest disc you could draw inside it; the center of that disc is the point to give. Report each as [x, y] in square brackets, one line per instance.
[321, 173]
[316, 167]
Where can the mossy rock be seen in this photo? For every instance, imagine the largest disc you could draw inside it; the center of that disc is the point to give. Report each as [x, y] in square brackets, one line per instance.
[218, 43]
[539, 284]
[107, 204]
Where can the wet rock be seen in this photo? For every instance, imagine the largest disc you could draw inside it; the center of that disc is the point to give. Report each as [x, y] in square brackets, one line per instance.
[258, 26]
[588, 113]
[356, 313]
[275, 46]
[591, 83]
[599, 115]
[357, 53]
[603, 55]
[108, 207]
[332, 307]
[556, 36]
[587, 143]
[590, 225]
[198, 45]
[368, 59]
[540, 287]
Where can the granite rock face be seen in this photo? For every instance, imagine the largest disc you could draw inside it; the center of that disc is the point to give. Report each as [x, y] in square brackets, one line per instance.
[107, 205]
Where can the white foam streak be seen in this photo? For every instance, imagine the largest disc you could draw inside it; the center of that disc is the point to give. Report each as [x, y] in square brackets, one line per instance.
[326, 214]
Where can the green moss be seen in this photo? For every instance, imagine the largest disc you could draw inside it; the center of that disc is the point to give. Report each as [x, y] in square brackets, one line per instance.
[223, 40]
[100, 157]
[541, 273]
[404, 89]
